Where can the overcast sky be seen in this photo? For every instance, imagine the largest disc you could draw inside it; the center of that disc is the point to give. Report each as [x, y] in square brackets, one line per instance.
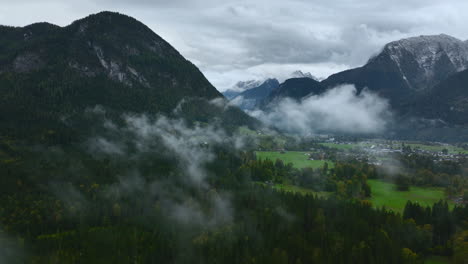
[236, 40]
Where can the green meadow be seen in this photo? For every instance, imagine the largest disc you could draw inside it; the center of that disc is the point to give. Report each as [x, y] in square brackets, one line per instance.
[299, 159]
[385, 194]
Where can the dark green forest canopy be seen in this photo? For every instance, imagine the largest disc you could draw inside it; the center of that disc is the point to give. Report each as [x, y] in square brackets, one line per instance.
[115, 209]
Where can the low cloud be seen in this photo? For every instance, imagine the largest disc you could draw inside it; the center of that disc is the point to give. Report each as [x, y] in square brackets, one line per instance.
[339, 110]
[184, 196]
[189, 145]
[10, 250]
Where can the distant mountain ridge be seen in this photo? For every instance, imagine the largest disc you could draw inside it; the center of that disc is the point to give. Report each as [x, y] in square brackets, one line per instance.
[240, 87]
[403, 70]
[251, 98]
[300, 74]
[408, 67]
[422, 77]
[250, 94]
[295, 88]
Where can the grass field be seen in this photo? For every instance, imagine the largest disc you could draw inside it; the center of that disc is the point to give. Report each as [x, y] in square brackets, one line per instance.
[385, 194]
[299, 159]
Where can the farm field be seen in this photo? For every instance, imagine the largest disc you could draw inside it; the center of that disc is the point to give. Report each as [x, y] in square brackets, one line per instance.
[299, 159]
[385, 194]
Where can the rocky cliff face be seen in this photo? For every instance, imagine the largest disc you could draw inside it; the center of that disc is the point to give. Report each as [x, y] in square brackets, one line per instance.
[426, 60]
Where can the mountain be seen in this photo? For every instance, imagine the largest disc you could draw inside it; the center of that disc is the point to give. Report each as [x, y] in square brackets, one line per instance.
[300, 74]
[49, 74]
[250, 99]
[240, 95]
[424, 79]
[240, 87]
[295, 88]
[230, 94]
[408, 67]
[448, 101]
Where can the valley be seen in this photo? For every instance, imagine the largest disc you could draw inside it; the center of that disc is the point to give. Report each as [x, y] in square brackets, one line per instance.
[384, 192]
[116, 148]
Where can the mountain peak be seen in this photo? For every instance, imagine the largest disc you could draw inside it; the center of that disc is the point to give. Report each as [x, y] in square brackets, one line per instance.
[249, 99]
[429, 38]
[428, 50]
[241, 86]
[422, 62]
[300, 74]
[107, 16]
[294, 88]
[107, 22]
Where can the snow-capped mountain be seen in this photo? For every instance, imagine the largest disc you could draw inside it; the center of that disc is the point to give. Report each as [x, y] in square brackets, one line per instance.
[250, 99]
[300, 74]
[243, 86]
[240, 87]
[407, 68]
[246, 85]
[424, 60]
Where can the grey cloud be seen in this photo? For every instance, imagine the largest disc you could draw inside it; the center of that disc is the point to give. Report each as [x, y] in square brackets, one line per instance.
[105, 146]
[191, 146]
[186, 143]
[338, 110]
